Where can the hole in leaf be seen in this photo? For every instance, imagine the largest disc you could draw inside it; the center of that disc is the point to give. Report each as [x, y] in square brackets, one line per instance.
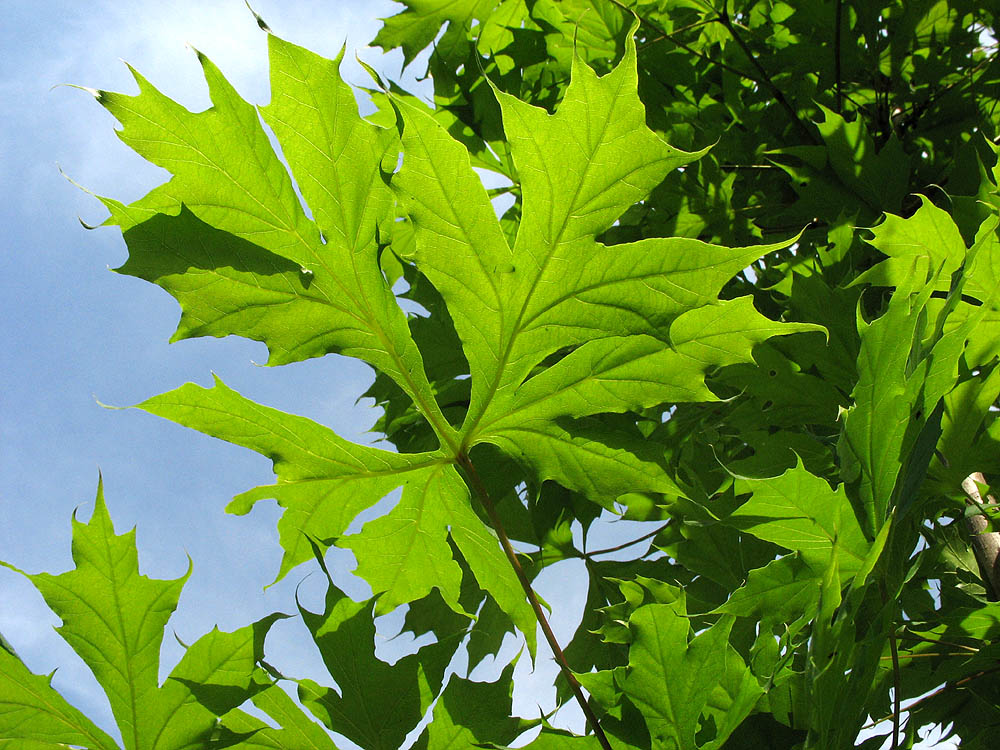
[707, 731]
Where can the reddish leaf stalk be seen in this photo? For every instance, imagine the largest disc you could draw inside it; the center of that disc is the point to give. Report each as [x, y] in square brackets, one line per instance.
[477, 485]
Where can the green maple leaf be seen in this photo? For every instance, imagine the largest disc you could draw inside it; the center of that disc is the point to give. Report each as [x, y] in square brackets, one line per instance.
[556, 327]
[685, 685]
[778, 593]
[799, 511]
[643, 318]
[113, 617]
[467, 714]
[417, 25]
[345, 635]
[294, 731]
[374, 704]
[31, 710]
[909, 358]
[929, 232]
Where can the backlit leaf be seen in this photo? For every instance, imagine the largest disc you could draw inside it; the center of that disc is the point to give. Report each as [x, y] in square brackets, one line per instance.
[32, 711]
[801, 512]
[677, 681]
[114, 619]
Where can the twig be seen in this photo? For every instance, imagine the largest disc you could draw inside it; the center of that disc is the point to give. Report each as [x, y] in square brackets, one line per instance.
[915, 636]
[477, 485]
[622, 546]
[918, 108]
[894, 653]
[837, 20]
[765, 78]
[762, 80]
[748, 166]
[947, 686]
[668, 37]
[926, 655]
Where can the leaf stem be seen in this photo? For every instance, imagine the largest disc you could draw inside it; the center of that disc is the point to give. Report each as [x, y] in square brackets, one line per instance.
[932, 641]
[664, 36]
[622, 546]
[926, 655]
[480, 490]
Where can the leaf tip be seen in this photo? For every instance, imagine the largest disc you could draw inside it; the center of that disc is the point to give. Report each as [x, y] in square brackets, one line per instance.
[190, 568]
[100, 514]
[369, 70]
[261, 23]
[96, 93]
[77, 185]
[202, 58]
[103, 405]
[140, 79]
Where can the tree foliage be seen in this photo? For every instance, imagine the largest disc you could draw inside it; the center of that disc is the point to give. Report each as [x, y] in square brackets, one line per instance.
[733, 271]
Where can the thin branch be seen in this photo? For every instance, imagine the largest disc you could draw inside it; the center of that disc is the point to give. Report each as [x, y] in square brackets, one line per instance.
[837, 21]
[896, 689]
[944, 688]
[765, 79]
[968, 649]
[664, 36]
[477, 485]
[622, 546]
[917, 109]
[669, 37]
[926, 655]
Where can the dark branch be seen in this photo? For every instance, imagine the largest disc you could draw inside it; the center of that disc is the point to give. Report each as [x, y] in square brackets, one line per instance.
[765, 79]
[944, 688]
[911, 113]
[664, 35]
[837, 20]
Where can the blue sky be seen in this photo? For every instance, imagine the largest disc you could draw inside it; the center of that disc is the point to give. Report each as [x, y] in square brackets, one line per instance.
[79, 334]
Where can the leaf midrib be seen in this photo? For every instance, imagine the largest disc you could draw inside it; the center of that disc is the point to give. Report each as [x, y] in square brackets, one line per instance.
[470, 432]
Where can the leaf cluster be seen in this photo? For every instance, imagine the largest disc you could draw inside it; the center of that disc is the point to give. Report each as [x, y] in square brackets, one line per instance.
[735, 276]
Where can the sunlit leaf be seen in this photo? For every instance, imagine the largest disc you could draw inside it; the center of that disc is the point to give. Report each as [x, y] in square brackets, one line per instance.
[114, 619]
